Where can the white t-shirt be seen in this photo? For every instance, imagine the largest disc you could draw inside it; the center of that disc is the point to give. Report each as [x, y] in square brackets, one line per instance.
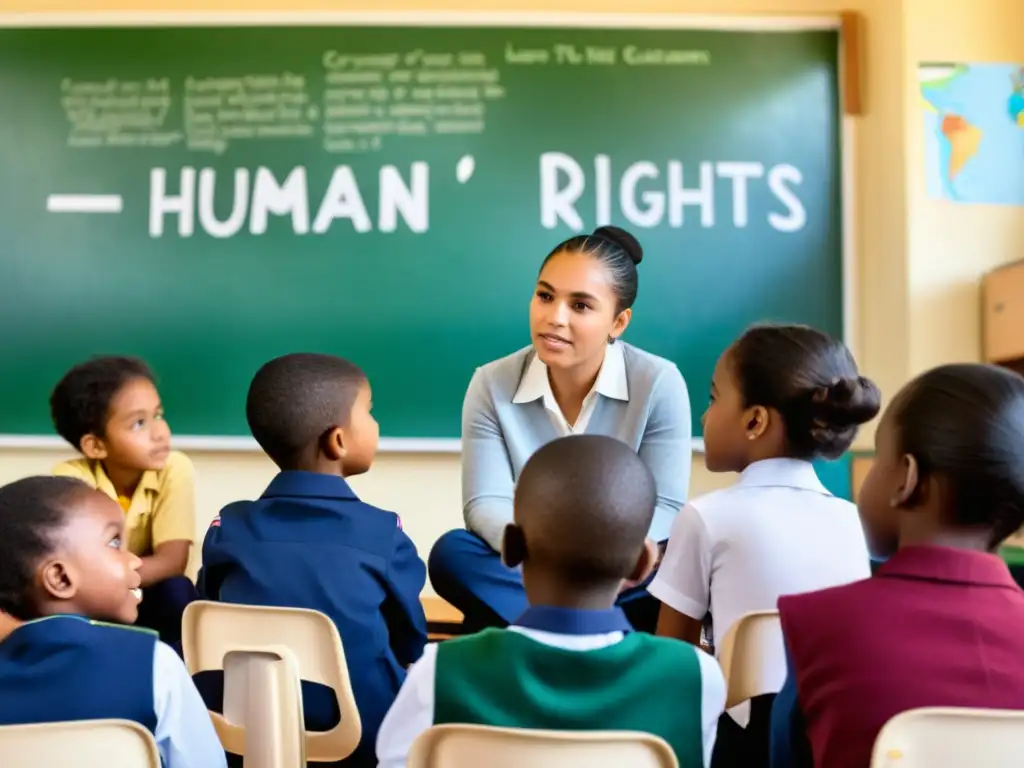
[776, 532]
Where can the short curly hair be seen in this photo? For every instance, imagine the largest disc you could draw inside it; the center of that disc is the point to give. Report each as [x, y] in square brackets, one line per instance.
[80, 403]
[32, 511]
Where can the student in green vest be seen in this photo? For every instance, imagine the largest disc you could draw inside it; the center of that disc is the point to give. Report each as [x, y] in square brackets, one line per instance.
[582, 509]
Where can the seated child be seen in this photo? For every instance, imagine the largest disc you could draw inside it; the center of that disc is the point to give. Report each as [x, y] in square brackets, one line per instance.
[781, 396]
[309, 542]
[582, 508]
[942, 622]
[63, 571]
[109, 410]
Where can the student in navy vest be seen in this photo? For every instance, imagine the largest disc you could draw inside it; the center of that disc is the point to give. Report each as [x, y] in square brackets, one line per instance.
[942, 622]
[577, 377]
[63, 571]
[309, 542]
[583, 506]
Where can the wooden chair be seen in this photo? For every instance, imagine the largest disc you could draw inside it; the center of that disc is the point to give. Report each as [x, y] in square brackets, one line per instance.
[265, 652]
[753, 660]
[951, 737]
[753, 657]
[457, 746]
[80, 744]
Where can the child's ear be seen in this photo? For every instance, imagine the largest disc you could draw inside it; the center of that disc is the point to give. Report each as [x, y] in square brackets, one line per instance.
[92, 447]
[58, 580]
[645, 563]
[513, 546]
[332, 444]
[909, 483]
[756, 421]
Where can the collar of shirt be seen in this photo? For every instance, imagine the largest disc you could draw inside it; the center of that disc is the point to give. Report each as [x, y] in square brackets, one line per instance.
[956, 566]
[782, 473]
[149, 481]
[574, 621]
[309, 485]
[611, 382]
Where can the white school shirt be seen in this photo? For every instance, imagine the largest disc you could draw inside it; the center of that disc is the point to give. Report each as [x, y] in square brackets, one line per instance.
[611, 382]
[413, 710]
[184, 733]
[776, 532]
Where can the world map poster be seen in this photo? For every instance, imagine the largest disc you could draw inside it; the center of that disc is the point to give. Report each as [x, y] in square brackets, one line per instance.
[974, 131]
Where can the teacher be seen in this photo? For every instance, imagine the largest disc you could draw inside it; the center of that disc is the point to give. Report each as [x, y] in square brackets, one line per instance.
[576, 377]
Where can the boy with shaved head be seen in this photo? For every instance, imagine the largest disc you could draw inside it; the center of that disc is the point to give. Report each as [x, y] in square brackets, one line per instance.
[583, 506]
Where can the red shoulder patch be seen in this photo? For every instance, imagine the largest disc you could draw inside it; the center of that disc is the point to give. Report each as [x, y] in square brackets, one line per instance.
[215, 523]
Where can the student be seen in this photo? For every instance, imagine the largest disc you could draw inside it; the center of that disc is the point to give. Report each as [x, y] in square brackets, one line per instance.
[108, 408]
[577, 377]
[63, 571]
[942, 623]
[582, 509]
[309, 542]
[781, 396]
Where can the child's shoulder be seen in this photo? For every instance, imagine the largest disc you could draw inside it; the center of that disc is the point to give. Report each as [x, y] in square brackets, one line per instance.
[80, 469]
[830, 606]
[359, 517]
[738, 493]
[178, 467]
[85, 634]
[715, 501]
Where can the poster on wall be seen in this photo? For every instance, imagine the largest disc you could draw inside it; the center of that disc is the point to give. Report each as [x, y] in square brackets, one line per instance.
[973, 131]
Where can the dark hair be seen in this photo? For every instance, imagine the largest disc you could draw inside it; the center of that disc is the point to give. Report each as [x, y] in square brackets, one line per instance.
[965, 423]
[80, 403]
[585, 503]
[811, 379]
[31, 512]
[620, 253]
[293, 400]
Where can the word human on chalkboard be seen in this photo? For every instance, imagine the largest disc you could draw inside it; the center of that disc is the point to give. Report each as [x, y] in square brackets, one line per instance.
[258, 195]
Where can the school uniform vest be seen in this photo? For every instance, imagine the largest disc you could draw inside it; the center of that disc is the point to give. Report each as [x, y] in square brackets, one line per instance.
[65, 668]
[506, 679]
[936, 627]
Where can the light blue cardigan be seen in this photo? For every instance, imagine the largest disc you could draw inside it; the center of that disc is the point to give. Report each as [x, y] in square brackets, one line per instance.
[498, 436]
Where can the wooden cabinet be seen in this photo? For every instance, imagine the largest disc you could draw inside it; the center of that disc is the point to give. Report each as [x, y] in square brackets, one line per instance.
[1002, 307]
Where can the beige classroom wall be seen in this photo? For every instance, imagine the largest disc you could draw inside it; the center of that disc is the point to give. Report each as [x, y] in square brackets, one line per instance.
[950, 246]
[424, 489]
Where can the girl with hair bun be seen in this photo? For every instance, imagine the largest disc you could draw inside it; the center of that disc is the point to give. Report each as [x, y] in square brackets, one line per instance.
[781, 396]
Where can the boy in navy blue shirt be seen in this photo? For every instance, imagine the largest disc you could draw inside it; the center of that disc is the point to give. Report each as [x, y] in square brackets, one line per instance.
[309, 542]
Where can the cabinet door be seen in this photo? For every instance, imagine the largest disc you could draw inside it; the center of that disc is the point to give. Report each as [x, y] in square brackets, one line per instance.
[1003, 314]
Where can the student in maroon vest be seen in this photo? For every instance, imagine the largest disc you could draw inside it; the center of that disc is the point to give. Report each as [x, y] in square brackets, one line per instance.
[942, 622]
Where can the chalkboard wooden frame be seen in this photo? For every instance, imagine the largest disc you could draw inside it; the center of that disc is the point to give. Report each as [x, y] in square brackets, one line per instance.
[738, 23]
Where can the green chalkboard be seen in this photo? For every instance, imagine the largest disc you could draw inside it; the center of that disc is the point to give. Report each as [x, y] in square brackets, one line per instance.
[210, 197]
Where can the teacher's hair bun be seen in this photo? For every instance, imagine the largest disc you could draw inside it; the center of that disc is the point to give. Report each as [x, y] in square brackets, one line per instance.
[623, 240]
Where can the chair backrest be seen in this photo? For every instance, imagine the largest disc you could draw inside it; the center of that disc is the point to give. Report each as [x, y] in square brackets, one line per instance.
[456, 746]
[753, 657]
[81, 744]
[951, 737]
[243, 640]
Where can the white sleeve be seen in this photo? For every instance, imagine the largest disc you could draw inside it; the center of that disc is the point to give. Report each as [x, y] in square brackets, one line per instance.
[410, 715]
[184, 732]
[683, 581]
[712, 703]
